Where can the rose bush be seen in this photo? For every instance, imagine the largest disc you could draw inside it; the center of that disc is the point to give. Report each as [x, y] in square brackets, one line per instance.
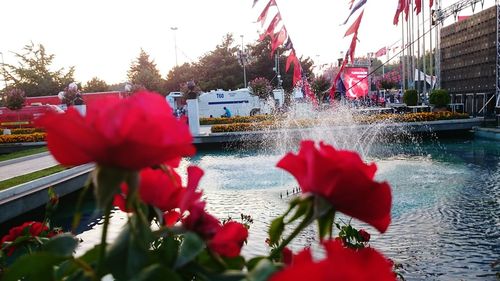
[169, 235]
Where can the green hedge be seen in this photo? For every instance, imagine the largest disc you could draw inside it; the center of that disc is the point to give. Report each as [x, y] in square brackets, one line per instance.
[439, 98]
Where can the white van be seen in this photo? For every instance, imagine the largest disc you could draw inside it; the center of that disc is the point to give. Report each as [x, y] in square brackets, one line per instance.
[240, 102]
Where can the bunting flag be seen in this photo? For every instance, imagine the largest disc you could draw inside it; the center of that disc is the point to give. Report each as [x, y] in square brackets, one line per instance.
[263, 15]
[333, 89]
[272, 26]
[278, 39]
[418, 6]
[288, 44]
[292, 58]
[431, 3]
[356, 7]
[407, 9]
[309, 93]
[297, 72]
[381, 52]
[351, 2]
[352, 48]
[355, 26]
[254, 2]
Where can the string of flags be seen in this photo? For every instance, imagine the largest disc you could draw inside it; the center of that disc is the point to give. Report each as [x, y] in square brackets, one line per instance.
[279, 36]
[337, 83]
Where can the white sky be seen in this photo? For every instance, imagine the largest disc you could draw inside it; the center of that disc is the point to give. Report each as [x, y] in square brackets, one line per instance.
[102, 37]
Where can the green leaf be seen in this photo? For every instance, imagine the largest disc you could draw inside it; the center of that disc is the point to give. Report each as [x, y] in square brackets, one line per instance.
[253, 262]
[262, 271]
[191, 246]
[156, 272]
[62, 245]
[275, 230]
[168, 250]
[236, 263]
[38, 266]
[303, 207]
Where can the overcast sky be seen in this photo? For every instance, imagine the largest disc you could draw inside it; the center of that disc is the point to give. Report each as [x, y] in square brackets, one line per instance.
[102, 37]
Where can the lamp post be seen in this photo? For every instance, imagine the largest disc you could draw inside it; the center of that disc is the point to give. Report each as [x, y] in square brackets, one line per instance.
[243, 59]
[174, 29]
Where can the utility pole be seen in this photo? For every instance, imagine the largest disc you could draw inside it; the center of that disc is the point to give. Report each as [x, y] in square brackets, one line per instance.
[244, 62]
[423, 43]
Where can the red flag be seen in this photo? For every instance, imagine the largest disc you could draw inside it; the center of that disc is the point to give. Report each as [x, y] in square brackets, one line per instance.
[431, 3]
[271, 27]
[381, 52]
[291, 59]
[309, 93]
[278, 39]
[418, 6]
[407, 9]
[399, 10]
[461, 18]
[297, 72]
[263, 15]
[355, 26]
[337, 77]
[352, 48]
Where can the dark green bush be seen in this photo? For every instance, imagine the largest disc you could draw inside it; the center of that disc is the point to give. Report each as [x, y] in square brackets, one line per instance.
[439, 98]
[410, 97]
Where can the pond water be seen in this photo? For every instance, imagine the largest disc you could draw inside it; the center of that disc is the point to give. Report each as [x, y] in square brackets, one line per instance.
[445, 215]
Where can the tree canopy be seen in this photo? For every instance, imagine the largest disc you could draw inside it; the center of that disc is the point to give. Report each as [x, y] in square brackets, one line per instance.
[96, 85]
[33, 74]
[143, 71]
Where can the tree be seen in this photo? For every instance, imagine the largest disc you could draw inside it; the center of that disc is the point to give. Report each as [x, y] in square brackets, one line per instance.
[320, 86]
[180, 75]
[387, 84]
[96, 85]
[143, 72]
[219, 69]
[33, 74]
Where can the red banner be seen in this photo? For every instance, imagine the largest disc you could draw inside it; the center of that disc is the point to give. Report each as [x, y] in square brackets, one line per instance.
[356, 82]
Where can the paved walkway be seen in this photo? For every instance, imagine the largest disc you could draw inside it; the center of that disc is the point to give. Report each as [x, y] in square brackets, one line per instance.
[29, 165]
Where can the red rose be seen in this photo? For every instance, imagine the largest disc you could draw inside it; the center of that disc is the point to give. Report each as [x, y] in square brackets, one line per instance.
[131, 133]
[365, 236]
[32, 228]
[163, 189]
[340, 264]
[201, 222]
[343, 179]
[229, 239]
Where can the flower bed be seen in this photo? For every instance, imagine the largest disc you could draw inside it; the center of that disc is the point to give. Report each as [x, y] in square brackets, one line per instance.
[33, 137]
[25, 131]
[360, 119]
[236, 119]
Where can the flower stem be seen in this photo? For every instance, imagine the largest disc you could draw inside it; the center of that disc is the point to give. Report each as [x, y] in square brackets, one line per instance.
[307, 220]
[102, 250]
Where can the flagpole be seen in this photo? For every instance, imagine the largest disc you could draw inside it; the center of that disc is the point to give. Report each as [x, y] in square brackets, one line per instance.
[430, 46]
[408, 48]
[438, 51]
[403, 74]
[423, 44]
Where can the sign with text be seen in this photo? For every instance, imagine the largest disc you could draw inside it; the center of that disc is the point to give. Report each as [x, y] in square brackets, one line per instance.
[356, 82]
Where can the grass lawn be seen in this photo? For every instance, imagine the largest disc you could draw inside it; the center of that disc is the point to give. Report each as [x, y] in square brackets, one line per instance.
[29, 177]
[22, 153]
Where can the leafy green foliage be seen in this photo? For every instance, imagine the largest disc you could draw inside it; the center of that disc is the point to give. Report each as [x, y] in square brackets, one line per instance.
[410, 97]
[439, 98]
[95, 85]
[387, 84]
[143, 71]
[33, 74]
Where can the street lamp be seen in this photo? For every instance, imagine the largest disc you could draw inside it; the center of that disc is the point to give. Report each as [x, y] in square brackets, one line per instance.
[243, 60]
[174, 29]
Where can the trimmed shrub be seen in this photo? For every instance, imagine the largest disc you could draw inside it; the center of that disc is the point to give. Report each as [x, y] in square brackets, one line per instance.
[14, 99]
[410, 97]
[439, 98]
